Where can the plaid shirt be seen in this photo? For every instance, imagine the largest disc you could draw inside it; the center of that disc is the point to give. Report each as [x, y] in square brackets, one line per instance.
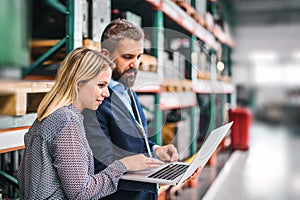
[58, 162]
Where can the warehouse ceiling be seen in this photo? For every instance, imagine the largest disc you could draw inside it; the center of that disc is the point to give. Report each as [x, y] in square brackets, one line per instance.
[267, 25]
[267, 12]
[266, 40]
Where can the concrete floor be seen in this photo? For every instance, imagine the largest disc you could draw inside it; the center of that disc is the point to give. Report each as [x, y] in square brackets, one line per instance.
[269, 170]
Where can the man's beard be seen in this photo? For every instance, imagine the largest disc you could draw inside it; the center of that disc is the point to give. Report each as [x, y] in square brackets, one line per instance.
[127, 78]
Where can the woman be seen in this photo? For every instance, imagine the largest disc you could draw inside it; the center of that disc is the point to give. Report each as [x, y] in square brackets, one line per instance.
[57, 162]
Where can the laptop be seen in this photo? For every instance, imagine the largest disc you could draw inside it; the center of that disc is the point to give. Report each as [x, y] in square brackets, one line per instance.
[177, 172]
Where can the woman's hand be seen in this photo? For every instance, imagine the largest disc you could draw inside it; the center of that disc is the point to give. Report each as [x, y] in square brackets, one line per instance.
[140, 162]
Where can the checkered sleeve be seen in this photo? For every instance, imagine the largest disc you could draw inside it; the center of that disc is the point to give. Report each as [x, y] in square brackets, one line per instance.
[74, 163]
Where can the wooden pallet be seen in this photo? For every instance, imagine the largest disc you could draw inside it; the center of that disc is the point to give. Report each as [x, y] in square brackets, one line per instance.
[20, 97]
[190, 10]
[224, 78]
[88, 43]
[177, 85]
[203, 75]
[148, 63]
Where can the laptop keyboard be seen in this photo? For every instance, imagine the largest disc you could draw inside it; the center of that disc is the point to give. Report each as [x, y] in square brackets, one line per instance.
[170, 172]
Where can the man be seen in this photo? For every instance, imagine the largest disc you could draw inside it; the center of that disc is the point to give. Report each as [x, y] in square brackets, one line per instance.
[117, 129]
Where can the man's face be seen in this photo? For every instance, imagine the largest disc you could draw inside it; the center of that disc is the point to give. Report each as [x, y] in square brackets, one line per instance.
[127, 57]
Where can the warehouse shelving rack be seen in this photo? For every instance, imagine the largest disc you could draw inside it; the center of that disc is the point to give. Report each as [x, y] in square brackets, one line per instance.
[163, 13]
[169, 12]
[19, 98]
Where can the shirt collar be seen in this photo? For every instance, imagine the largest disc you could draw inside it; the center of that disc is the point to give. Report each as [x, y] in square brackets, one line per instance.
[117, 87]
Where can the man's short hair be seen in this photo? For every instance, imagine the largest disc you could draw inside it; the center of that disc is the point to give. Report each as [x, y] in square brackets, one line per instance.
[117, 30]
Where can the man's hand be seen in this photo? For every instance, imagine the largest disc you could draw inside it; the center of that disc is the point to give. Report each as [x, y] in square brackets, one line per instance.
[195, 174]
[167, 153]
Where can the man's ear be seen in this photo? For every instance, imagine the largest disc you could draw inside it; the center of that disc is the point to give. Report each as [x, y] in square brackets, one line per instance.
[105, 52]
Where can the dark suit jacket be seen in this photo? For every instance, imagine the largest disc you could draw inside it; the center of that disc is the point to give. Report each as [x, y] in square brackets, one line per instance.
[113, 133]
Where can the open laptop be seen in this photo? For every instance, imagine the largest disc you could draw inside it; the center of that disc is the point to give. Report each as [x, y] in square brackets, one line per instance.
[178, 172]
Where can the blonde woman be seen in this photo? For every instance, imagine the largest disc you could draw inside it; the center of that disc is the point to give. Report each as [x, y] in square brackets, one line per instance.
[57, 161]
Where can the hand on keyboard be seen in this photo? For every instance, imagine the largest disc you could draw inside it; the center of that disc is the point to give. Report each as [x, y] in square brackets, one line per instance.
[167, 153]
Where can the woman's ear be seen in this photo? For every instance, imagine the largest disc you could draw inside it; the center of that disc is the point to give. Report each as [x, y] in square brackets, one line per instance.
[79, 84]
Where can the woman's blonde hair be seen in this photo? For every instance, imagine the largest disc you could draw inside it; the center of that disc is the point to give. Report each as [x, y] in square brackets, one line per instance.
[80, 65]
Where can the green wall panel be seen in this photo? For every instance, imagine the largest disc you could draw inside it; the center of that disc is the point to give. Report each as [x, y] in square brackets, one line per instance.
[14, 32]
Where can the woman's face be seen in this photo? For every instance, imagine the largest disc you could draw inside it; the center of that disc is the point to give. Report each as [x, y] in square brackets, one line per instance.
[92, 93]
